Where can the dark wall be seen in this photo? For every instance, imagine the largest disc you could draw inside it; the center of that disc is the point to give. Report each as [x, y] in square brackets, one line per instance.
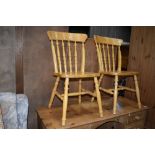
[122, 32]
[38, 68]
[31, 73]
[7, 59]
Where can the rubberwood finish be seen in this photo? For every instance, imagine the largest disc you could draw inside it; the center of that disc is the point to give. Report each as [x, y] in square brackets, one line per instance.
[86, 116]
[66, 65]
[109, 54]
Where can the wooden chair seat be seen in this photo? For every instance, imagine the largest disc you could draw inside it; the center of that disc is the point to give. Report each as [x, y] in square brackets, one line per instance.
[121, 73]
[77, 75]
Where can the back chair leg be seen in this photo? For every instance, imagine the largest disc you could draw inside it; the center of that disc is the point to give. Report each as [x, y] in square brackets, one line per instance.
[65, 102]
[98, 96]
[54, 92]
[80, 87]
[99, 83]
[137, 91]
[115, 95]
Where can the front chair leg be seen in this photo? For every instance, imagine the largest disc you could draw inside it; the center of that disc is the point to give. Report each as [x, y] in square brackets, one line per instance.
[98, 95]
[115, 94]
[137, 91]
[80, 87]
[53, 92]
[65, 102]
[99, 83]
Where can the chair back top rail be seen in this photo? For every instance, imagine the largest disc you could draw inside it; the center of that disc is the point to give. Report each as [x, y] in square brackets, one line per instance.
[107, 40]
[75, 37]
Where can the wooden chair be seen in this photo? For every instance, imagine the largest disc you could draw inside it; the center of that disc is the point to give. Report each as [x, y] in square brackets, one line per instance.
[67, 66]
[109, 58]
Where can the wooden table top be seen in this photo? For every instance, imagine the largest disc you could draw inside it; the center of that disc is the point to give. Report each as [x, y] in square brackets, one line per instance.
[86, 113]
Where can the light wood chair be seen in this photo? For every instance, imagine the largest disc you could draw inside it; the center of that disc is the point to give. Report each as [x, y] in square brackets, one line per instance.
[67, 66]
[109, 59]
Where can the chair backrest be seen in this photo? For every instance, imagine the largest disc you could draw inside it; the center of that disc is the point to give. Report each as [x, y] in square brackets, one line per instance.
[65, 51]
[108, 53]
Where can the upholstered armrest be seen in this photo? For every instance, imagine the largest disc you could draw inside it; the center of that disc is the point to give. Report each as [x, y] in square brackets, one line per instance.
[1, 120]
[8, 107]
[22, 110]
[14, 110]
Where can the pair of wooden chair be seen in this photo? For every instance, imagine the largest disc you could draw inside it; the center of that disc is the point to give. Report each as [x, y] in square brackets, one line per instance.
[67, 66]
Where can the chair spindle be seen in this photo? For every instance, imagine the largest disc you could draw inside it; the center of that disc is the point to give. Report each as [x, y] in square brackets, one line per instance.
[54, 57]
[113, 59]
[109, 63]
[105, 59]
[58, 53]
[83, 58]
[70, 57]
[119, 59]
[99, 58]
[75, 55]
[64, 56]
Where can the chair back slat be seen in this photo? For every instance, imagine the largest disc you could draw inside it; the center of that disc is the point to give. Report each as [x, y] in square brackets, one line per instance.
[64, 56]
[83, 58]
[54, 57]
[59, 58]
[100, 53]
[105, 58]
[67, 48]
[113, 59]
[111, 50]
[119, 59]
[99, 57]
[109, 62]
[75, 56]
[70, 57]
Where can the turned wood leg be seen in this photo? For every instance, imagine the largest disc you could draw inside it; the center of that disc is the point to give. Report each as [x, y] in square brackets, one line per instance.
[65, 102]
[98, 96]
[115, 94]
[80, 87]
[99, 83]
[53, 92]
[137, 91]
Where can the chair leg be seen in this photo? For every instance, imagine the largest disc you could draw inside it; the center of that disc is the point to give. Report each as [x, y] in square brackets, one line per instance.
[98, 96]
[53, 92]
[137, 91]
[99, 83]
[80, 87]
[115, 95]
[65, 102]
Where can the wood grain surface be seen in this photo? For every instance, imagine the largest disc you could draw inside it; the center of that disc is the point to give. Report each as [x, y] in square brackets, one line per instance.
[86, 115]
[142, 59]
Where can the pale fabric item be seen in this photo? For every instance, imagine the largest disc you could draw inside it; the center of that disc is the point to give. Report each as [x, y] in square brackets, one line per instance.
[14, 110]
[22, 110]
[1, 121]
